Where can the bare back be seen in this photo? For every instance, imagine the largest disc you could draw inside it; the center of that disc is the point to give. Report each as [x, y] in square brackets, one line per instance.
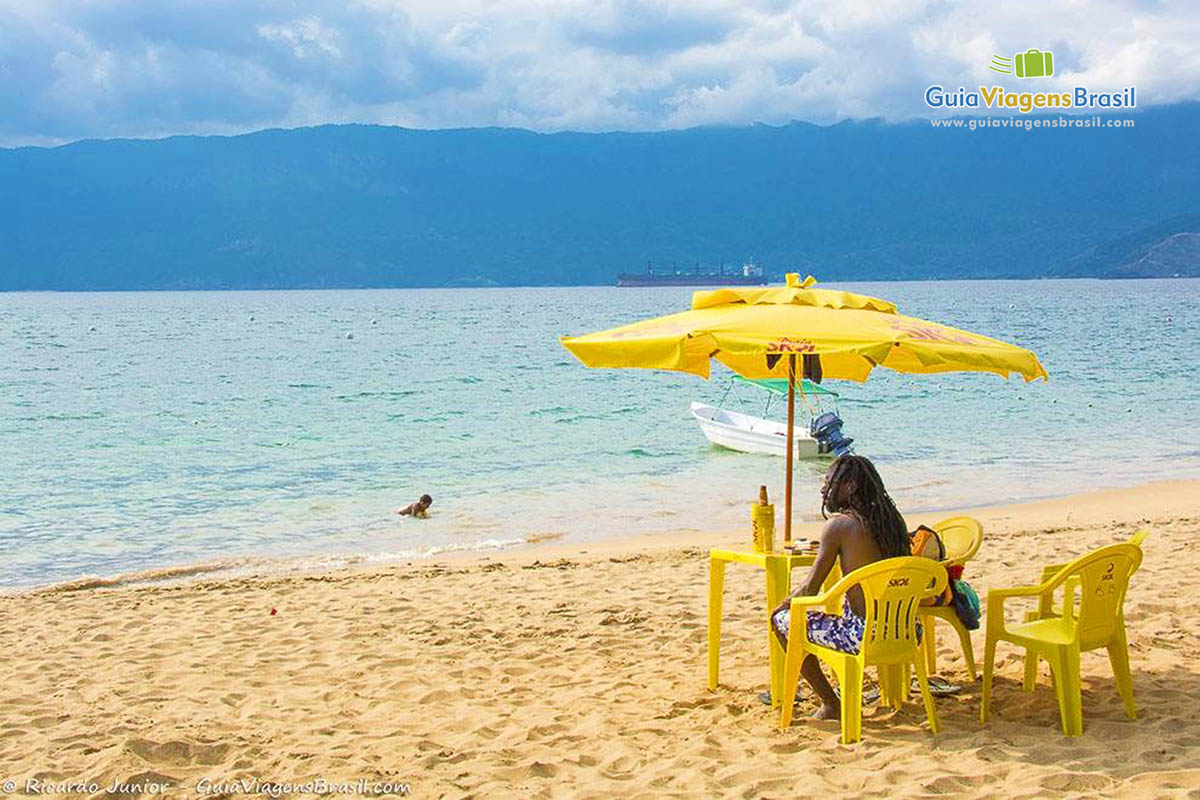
[846, 541]
[858, 549]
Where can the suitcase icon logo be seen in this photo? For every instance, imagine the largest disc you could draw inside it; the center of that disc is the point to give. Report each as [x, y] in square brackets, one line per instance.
[1033, 63]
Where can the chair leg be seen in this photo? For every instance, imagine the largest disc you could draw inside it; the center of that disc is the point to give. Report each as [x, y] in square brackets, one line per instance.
[1074, 689]
[964, 639]
[716, 590]
[929, 642]
[891, 692]
[793, 660]
[1056, 681]
[989, 661]
[885, 685]
[777, 588]
[851, 686]
[926, 695]
[791, 680]
[1031, 670]
[1064, 665]
[1118, 656]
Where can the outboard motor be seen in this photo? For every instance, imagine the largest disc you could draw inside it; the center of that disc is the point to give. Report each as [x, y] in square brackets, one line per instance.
[827, 430]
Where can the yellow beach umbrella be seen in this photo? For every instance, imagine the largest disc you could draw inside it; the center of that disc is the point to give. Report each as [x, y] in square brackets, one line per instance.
[838, 334]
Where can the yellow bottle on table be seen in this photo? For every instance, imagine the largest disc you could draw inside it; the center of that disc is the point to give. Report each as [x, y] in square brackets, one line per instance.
[762, 518]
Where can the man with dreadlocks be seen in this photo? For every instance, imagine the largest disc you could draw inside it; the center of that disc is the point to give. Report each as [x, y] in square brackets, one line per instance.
[865, 527]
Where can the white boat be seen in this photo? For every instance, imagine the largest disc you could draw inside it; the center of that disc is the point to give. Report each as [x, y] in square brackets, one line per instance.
[750, 434]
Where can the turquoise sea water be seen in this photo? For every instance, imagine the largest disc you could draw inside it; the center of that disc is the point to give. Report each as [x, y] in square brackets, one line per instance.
[274, 429]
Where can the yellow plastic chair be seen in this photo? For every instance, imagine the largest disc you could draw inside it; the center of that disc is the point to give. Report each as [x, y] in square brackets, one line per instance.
[962, 537]
[1102, 579]
[1046, 607]
[893, 589]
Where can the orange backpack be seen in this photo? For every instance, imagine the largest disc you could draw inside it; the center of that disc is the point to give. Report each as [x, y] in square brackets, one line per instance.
[927, 544]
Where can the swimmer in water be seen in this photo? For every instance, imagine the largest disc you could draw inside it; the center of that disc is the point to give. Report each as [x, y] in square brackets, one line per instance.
[417, 509]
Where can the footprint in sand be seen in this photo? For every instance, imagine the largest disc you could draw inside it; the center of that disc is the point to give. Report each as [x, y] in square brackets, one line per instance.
[954, 784]
[178, 753]
[446, 756]
[539, 732]
[993, 753]
[1077, 782]
[47, 721]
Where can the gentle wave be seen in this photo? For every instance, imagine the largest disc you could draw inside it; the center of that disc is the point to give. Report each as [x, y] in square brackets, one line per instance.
[261, 567]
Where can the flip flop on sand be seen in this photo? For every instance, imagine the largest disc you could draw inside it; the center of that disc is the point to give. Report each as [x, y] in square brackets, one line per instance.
[870, 694]
[765, 697]
[938, 687]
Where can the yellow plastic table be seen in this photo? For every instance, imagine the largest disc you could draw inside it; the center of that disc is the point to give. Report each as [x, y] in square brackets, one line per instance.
[778, 567]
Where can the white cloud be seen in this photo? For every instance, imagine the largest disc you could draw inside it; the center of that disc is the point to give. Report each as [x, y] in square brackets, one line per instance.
[306, 37]
[135, 68]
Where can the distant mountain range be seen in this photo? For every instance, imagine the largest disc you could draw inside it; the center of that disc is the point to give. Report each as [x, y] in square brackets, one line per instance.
[1164, 250]
[355, 205]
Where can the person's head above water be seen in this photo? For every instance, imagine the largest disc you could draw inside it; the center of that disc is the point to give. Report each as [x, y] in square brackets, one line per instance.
[853, 486]
[425, 500]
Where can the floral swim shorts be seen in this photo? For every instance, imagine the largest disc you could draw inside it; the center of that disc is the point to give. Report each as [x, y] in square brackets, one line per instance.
[842, 632]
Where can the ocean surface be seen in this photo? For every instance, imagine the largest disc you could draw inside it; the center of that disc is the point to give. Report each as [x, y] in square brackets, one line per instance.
[279, 430]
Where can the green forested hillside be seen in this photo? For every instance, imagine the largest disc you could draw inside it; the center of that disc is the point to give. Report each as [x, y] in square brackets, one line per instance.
[381, 206]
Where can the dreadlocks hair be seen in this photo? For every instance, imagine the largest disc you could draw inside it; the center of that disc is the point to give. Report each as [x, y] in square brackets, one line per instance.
[869, 502]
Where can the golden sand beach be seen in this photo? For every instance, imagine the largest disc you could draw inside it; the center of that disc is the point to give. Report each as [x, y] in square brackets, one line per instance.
[578, 671]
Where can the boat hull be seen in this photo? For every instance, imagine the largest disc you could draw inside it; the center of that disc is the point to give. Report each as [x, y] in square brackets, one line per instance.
[748, 434]
[626, 279]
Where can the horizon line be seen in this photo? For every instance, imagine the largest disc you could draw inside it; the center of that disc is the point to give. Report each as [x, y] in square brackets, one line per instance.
[958, 279]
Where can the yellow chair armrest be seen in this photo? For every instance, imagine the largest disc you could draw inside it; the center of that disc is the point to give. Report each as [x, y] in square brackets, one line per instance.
[810, 601]
[1054, 575]
[1049, 571]
[1069, 586]
[827, 596]
[995, 605]
[1016, 591]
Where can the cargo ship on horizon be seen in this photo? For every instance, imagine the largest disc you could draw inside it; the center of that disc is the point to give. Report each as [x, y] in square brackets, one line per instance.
[750, 275]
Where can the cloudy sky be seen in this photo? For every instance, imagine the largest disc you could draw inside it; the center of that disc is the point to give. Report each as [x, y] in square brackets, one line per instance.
[72, 69]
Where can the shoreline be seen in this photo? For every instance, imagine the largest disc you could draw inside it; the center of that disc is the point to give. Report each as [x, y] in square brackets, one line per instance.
[1065, 510]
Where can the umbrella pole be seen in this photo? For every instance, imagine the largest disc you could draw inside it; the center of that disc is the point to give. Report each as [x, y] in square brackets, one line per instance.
[791, 428]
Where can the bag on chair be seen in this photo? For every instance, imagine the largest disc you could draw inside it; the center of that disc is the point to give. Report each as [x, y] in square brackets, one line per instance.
[926, 543]
[965, 602]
